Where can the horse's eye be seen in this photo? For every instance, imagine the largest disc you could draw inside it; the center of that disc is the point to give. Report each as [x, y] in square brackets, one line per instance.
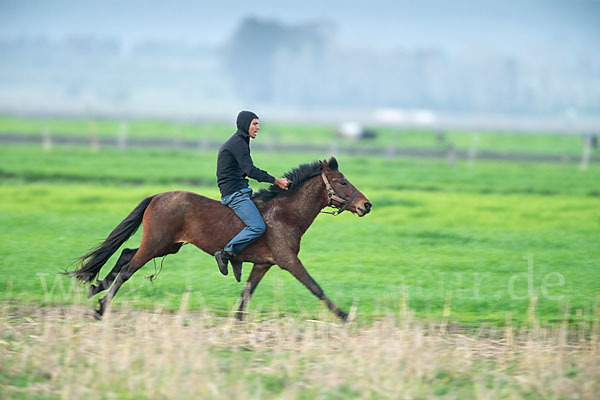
[344, 183]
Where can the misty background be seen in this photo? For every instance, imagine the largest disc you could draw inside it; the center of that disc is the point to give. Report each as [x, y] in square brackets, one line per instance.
[186, 59]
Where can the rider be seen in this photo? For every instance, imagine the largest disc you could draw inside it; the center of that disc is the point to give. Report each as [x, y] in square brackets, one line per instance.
[233, 165]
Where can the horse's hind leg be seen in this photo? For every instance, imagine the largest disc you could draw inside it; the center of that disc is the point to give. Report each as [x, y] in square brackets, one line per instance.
[257, 273]
[123, 276]
[126, 256]
[137, 262]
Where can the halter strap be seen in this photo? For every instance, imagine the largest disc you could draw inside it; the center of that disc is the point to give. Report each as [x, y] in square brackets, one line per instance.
[332, 195]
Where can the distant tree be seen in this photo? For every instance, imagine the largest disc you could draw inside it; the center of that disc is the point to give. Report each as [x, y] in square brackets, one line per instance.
[250, 55]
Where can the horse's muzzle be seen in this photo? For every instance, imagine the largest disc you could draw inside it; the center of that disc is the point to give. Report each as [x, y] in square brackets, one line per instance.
[365, 209]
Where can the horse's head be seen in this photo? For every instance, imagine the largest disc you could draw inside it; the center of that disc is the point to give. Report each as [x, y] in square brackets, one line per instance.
[340, 192]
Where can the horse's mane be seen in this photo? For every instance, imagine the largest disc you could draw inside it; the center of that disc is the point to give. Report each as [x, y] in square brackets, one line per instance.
[298, 176]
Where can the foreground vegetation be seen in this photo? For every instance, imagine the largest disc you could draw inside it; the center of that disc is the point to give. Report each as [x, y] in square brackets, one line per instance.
[62, 353]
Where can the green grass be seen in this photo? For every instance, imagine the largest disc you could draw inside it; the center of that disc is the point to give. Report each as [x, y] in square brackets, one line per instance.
[444, 238]
[142, 166]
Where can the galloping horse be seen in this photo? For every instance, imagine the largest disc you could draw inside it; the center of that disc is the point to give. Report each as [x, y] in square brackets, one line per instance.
[171, 219]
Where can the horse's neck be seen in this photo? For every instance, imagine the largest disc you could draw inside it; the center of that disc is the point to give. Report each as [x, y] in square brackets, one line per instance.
[307, 202]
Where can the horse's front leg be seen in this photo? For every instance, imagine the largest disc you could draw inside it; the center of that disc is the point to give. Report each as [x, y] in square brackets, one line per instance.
[296, 268]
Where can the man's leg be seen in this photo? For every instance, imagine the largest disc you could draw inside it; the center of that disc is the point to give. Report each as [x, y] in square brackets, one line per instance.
[245, 209]
[255, 226]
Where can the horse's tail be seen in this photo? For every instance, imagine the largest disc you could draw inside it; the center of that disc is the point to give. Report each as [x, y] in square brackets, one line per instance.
[92, 262]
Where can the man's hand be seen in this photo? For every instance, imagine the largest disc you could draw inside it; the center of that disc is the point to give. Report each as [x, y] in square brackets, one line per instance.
[282, 183]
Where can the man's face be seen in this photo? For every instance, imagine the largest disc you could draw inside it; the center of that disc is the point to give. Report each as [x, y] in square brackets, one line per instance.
[254, 127]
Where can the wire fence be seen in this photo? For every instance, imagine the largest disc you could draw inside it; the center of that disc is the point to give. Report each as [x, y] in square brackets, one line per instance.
[451, 154]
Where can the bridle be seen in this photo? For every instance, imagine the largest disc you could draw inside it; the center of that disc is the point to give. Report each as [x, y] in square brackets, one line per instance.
[332, 195]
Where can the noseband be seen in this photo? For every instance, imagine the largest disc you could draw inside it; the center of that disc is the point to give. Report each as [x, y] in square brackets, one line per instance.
[332, 195]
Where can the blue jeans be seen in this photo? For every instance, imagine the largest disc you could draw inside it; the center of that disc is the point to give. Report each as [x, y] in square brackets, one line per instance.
[241, 203]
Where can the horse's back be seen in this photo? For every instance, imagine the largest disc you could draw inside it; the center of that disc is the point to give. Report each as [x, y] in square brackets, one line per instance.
[176, 208]
[191, 217]
[183, 199]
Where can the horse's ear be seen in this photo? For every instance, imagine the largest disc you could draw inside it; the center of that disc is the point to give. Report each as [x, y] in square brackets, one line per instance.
[333, 164]
[324, 164]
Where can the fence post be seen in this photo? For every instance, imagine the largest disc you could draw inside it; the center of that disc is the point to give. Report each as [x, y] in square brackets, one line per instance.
[203, 144]
[473, 149]
[46, 138]
[587, 152]
[95, 142]
[177, 139]
[451, 155]
[272, 143]
[390, 151]
[333, 147]
[122, 137]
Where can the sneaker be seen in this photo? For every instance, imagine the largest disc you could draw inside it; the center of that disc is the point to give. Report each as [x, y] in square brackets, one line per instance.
[222, 258]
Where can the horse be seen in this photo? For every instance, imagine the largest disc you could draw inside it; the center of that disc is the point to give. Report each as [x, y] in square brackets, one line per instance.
[171, 219]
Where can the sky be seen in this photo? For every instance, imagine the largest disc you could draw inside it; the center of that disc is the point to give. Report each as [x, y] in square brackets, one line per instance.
[481, 54]
[452, 25]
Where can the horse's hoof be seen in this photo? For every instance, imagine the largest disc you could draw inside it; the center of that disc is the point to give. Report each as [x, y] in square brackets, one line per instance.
[343, 316]
[92, 291]
[240, 316]
[101, 306]
[97, 315]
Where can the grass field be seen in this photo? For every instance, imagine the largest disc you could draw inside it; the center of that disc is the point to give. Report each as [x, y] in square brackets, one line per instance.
[483, 241]
[468, 280]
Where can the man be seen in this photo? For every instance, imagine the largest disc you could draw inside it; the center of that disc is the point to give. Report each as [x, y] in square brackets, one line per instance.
[233, 165]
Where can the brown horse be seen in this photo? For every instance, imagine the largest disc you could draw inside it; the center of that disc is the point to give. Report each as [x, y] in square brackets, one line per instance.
[171, 219]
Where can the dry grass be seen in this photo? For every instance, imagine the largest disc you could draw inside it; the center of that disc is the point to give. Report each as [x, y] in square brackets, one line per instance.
[63, 353]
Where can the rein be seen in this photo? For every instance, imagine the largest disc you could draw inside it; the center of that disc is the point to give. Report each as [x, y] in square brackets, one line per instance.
[332, 195]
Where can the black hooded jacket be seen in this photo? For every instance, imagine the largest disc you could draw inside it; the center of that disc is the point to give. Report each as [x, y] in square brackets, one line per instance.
[234, 162]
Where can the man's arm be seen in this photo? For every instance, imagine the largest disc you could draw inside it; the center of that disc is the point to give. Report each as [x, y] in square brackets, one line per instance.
[245, 162]
[242, 156]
